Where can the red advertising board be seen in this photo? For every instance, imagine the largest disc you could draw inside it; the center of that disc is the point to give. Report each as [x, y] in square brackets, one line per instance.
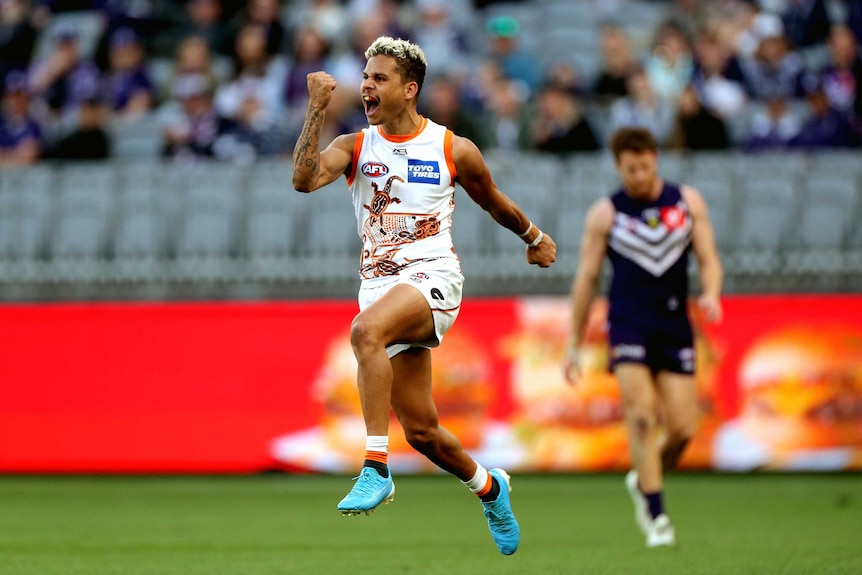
[244, 387]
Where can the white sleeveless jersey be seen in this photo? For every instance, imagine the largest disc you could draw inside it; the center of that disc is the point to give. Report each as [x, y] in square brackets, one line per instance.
[403, 193]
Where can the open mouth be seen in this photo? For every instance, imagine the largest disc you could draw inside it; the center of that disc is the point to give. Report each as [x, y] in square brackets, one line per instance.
[371, 104]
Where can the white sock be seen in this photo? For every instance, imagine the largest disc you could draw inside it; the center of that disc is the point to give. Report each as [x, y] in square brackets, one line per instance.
[377, 443]
[479, 480]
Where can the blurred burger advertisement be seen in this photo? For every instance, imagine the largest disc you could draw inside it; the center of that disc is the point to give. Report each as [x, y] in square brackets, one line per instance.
[245, 387]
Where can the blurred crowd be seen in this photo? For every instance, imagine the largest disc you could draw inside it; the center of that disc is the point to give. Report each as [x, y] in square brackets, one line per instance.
[225, 79]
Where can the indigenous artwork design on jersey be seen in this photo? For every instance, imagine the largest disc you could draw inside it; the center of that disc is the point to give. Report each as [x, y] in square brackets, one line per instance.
[385, 231]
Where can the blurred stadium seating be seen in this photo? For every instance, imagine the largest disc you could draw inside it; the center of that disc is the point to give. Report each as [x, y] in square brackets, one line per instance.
[150, 230]
[136, 227]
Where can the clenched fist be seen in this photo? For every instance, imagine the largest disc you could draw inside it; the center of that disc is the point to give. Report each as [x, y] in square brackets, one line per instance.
[320, 87]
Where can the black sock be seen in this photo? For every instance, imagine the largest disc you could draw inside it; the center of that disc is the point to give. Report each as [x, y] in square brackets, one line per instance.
[655, 503]
[494, 493]
[381, 468]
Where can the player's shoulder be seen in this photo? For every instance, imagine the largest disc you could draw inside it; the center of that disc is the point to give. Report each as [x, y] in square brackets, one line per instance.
[601, 213]
[467, 156]
[464, 145]
[692, 197]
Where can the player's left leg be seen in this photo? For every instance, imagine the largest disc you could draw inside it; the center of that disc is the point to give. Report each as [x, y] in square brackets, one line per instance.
[414, 405]
[678, 396]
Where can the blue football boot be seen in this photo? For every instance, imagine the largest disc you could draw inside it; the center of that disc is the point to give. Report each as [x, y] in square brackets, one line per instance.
[369, 491]
[501, 521]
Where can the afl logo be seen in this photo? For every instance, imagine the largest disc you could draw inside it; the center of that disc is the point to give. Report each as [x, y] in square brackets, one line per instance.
[374, 169]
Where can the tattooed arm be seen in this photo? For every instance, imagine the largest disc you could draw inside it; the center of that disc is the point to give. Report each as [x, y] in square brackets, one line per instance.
[313, 168]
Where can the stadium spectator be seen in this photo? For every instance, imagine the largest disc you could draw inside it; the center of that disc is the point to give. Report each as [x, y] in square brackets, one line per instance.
[252, 98]
[390, 12]
[64, 79]
[20, 133]
[717, 76]
[806, 22]
[773, 127]
[505, 49]
[129, 91]
[564, 73]
[17, 36]
[617, 62]
[692, 16]
[124, 14]
[192, 129]
[826, 127]
[643, 108]
[841, 77]
[88, 139]
[505, 122]
[203, 18]
[670, 64]
[310, 53]
[328, 17]
[696, 127]
[774, 70]
[265, 13]
[853, 17]
[193, 56]
[443, 37]
[441, 102]
[559, 125]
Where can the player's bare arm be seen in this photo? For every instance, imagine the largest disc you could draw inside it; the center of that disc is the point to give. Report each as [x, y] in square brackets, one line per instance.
[710, 269]
[313, 168]
[594, 244]
[475, 177]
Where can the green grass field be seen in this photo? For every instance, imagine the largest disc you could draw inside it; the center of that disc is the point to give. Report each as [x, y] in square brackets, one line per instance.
[276, 524]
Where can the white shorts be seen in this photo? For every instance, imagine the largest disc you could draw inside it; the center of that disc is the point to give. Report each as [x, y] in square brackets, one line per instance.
[441, 288]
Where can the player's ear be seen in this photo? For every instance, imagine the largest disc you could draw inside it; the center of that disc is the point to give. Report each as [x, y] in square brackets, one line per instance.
[411, 90]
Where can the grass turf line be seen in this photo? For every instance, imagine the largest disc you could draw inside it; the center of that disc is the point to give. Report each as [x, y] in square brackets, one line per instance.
[288, 524]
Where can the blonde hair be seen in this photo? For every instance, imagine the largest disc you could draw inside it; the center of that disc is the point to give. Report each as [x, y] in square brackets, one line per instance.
[409, 57]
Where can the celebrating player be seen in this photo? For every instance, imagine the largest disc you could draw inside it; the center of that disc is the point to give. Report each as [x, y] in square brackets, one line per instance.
[647, 229]
[401, 172]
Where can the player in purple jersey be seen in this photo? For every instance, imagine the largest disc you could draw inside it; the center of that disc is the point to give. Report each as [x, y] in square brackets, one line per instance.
[647, 229]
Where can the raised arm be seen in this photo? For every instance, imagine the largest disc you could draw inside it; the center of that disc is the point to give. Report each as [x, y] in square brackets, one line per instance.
[710, 269]
[475, 177]
[594, 245]
[313, 168]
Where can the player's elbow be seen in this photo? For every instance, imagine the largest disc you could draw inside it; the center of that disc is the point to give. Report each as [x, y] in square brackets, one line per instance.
[302, 185]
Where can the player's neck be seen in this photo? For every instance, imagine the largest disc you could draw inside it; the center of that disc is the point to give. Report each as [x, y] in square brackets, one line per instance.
[405, 124]
[653, 195]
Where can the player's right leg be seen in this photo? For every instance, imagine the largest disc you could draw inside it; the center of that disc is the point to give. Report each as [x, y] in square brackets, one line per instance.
[644, 483]
[398, 314]
[414, 405]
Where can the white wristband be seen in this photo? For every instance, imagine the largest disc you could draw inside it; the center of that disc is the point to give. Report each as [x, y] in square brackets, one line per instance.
[536, 241]
[525, 234]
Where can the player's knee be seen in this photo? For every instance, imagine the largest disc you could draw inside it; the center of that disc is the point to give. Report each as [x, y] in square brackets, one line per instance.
[422, 438]
[642, 425]
[363, 336]
[681, 432]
